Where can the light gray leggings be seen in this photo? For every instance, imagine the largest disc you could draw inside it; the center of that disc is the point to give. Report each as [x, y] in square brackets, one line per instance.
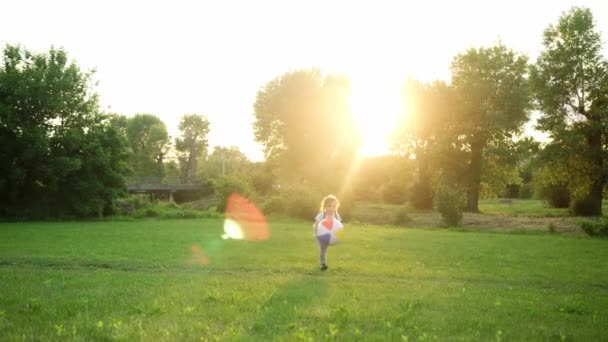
[322, 252]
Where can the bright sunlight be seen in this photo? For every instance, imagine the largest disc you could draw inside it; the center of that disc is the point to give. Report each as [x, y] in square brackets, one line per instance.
[376, 104]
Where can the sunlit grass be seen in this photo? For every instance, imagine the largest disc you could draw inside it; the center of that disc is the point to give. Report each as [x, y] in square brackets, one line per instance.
[133, 281]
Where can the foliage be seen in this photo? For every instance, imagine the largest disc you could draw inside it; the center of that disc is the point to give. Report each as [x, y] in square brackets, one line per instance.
[225, 161]
[191, 143]
[304, 122]
[424, 128]
[449, 202]
[302, 202]
[273, 204]
[402, 217]
[500, 167]
[562, 164]
[58, 154]
[595, 228]
[393, 193]
[262, 180]
[140, 206]
[557, 195]
[226, 186]
[370, 174]
[492, 104]
[583, 207]
[421, 196]
[526, 191]
[570, 81]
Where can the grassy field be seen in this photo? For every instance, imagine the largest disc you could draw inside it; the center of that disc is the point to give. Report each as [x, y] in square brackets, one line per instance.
[99, 281]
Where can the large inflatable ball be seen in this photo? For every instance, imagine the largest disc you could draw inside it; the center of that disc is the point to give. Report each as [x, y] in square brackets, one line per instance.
[330, 231]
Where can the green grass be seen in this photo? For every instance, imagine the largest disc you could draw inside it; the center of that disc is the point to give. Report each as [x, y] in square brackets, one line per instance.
[100, 281]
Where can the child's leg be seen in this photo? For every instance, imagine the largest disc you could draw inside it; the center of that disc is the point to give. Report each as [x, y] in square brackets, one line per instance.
[323, 253]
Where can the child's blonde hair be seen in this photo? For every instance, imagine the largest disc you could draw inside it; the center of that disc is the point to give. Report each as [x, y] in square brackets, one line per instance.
[327, 200]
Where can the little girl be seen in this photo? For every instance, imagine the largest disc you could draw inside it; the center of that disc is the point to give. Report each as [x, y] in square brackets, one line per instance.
[329, 208]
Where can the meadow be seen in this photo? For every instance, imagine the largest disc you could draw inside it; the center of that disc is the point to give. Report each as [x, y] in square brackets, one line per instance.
[139, 280]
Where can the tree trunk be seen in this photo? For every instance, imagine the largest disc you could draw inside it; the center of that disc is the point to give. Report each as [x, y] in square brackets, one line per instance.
[594, 140]
[474, 178]
[424, 191]
[192, 163]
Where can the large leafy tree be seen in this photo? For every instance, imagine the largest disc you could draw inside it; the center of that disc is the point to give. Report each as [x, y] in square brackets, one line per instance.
[192, 143]
[150, 144]
[58, 155]
[423, 131]
[303, 120]
[570, 79]
[493, 103]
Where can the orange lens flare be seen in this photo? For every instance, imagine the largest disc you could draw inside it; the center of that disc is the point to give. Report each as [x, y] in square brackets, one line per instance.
[198, 256]
[244, 221]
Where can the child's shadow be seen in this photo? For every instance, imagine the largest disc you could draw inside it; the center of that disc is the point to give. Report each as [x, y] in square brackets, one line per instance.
[281, 313]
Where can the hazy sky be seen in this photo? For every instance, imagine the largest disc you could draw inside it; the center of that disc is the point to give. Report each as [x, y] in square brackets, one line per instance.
[175, 57]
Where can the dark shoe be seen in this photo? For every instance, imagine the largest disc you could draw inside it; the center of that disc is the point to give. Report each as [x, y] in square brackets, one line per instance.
[323, 267]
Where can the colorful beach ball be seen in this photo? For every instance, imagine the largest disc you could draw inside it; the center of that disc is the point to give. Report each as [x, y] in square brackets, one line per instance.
[330, 231]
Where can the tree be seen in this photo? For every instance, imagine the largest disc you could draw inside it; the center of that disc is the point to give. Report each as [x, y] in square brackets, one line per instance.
[303, 120]
[570, 82]
[104, 155]
[225, 161]
[149, 140]
[192, 143]
[58, 156]
[493, 103]
[423, 129]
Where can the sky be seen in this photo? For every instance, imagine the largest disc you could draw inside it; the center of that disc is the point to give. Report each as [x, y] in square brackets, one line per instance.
[175, 57]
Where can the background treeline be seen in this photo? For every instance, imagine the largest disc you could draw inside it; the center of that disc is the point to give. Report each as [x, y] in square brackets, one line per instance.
[457, 142]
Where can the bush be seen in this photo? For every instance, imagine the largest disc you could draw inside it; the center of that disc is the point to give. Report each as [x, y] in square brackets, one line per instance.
[151, 212]
[393, 193]
[557, 195]
[526, 191]
[262, 182]
[402, 217]
[347, 202]
[130, 205]
[512, 191]
[449, 203]
[301, 202]
[422, 196]
[584, 207]
[274, 204]
[595, 229]
[226, 186]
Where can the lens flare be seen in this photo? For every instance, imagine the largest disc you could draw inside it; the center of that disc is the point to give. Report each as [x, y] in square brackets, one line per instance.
[244, 221]
[232, 230]
[198, 256]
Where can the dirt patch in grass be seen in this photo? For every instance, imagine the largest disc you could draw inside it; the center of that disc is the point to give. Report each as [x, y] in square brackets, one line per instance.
[385, 214]
[480, 221]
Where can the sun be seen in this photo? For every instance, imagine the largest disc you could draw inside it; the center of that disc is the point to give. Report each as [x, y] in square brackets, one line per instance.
[376, 103]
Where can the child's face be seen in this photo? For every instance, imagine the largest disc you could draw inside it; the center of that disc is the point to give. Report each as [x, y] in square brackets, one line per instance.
[330, 208]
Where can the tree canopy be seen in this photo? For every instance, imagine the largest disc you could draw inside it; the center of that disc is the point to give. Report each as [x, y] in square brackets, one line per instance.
[60, 155]
[570, 80]
[493, 103]
[192, 143]
[303, 120]
[150, 144]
